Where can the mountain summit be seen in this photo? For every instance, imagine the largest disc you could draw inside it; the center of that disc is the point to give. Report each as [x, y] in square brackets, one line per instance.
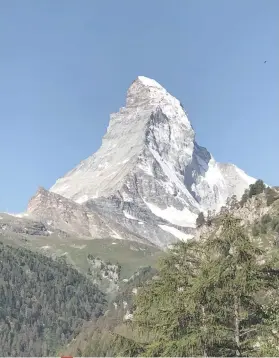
[149, 157]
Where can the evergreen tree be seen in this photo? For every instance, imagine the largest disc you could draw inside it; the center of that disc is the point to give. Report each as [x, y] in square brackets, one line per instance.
[164, 313]
[232, 203]
[205, 300]
[244, 197]
[237, 276]
[200, 221]
[42, 302]
[257, 188]
[271, 196]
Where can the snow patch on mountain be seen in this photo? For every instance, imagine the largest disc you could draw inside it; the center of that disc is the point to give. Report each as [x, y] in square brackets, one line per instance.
[128, 216]
[177, 217]
[177, 233]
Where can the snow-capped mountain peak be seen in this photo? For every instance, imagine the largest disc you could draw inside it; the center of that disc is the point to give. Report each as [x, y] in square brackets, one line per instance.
[149, 158]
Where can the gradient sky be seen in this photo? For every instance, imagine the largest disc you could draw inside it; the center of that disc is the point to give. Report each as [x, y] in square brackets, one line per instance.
[66, 65]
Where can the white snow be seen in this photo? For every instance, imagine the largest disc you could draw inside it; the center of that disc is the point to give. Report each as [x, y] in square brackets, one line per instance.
[82, 199]
[116, 235]
[19, 215]
[146, 168]
[135, 290]
[246, 178]
[126, 197]
[183, 217]
[170, 173]
[128, 316]
[128, 216]
[177, 233]
[80, 247]
[133, 248]
[50, 232]
[46, 247]
[140, 223]
[1, 217]
[149, 82]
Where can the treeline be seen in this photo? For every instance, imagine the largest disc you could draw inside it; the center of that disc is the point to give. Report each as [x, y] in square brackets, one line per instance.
[271, 195]
[43, 302]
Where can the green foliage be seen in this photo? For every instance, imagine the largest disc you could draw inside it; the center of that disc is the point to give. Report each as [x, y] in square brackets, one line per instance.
[266, 219]
[232, 203]
[106, 336]
[257, 188]
[43, 302]
[212, 297]
[244, 198]
[126, 347]
[256, 230]
[205, 300]
[271, 195]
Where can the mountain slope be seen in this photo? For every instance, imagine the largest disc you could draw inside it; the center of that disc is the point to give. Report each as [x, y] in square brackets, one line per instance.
[125, 255]
[149, 157]
[260, 217]
[43, 302]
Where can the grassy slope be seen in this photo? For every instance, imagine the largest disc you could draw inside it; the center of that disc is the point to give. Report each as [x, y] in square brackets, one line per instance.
[130, 255]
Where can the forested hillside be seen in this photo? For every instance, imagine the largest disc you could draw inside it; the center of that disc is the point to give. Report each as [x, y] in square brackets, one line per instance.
[97, 337]
[215, 295]
[43, 302]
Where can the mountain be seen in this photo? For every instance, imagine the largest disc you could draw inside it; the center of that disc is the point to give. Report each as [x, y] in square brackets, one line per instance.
[149, 179]
[145, 185]
[108, 221]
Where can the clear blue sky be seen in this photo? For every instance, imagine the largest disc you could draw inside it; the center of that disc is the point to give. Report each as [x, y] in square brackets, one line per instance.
[66, 65]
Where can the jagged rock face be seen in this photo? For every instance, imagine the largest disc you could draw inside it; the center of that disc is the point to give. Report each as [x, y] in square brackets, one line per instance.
[102, 218]
[149, 157]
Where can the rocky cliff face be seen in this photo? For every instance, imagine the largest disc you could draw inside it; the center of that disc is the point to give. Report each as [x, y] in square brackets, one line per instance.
[149, 179]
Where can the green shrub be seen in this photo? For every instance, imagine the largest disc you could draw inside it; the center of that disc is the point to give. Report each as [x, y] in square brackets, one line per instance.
[257, 188]
[271, 195]
[255, 230]
[244, 197]
[266, 219]
[200, 220]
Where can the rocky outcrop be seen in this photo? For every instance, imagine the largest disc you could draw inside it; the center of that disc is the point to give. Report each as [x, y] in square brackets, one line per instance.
[99, 219]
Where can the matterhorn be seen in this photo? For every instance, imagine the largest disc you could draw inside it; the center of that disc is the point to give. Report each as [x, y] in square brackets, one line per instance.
[147, 182]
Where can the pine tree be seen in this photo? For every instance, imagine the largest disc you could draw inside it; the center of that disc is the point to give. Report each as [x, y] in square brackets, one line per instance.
[271, 196]
[244, 198]
[206, 298]
[200, 221]
[232, 202]
[239, 277]
[164, 313]
[257, 188]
